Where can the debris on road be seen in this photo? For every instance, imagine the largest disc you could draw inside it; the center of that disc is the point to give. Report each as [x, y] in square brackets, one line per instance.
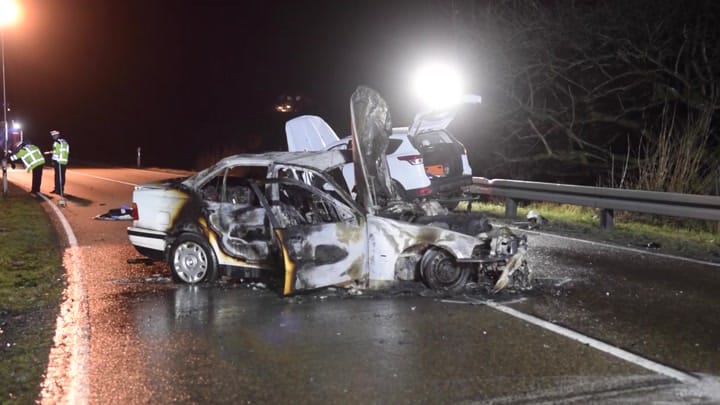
[123, 213]
[140, 260]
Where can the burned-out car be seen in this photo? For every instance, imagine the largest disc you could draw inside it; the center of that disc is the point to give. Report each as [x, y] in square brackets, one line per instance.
[290, 216]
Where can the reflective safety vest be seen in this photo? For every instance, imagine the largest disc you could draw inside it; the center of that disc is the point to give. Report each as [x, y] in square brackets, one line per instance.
[61, 151]
[30, 155]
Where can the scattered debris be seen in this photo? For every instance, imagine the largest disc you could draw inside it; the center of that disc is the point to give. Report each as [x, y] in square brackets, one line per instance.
[535, 219]
[140, 260]
[256, 285]
[563, 282]
[353, 289]
[124, 213]
[157, 278]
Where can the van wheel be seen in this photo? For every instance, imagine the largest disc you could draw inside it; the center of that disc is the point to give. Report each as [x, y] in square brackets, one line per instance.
[191, 260]
[440, 271]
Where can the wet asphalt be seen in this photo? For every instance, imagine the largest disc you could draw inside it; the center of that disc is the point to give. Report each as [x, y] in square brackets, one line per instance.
[239, 342]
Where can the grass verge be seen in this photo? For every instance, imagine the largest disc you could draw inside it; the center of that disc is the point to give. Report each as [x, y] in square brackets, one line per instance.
[31, 283]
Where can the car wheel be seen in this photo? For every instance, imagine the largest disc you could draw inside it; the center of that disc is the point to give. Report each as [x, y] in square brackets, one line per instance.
[192, 260]
[440, 271]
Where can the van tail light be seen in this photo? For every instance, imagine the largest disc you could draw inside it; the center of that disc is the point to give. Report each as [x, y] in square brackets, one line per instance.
[424, 191]
[412, 159]
[135, 214]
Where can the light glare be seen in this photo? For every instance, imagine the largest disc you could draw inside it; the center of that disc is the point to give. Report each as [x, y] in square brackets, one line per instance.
[9, 12]
[438, 85]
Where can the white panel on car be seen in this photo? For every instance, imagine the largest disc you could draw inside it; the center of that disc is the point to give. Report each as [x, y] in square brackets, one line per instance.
[309, 133]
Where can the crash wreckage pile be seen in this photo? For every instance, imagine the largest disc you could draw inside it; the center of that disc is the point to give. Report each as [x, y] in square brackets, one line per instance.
[499, 259]
[499, 255]
[290, 216]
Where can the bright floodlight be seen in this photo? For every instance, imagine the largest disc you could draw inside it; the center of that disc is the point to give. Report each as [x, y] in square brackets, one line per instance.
[438, 85]
[16, 125]
[9, 12]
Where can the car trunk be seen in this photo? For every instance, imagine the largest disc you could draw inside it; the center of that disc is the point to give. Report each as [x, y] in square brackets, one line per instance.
[441, 155]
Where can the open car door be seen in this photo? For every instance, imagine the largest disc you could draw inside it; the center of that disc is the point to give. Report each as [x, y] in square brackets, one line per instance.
[371, 128]
[322, 239]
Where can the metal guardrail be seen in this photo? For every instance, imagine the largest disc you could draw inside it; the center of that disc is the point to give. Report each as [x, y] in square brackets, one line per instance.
[605, 199]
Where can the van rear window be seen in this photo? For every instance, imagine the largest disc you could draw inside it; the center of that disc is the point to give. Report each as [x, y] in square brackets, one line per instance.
[432, 138]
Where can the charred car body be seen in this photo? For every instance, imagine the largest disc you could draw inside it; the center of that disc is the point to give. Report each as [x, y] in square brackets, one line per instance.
[291, 216]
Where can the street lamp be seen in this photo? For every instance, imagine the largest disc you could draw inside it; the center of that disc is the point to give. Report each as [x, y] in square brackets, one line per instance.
[9, 12]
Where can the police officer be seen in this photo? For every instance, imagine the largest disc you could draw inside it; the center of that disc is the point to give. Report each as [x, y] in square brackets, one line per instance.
[33, 159]
[60, 155]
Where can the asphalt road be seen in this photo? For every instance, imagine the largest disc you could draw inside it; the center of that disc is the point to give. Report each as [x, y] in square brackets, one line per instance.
[602, 325]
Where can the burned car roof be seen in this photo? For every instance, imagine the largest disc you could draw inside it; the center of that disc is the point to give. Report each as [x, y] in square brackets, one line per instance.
[318, 160]
[321, 161]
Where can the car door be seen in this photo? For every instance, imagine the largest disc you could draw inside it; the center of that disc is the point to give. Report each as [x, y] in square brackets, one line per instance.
[235, 215]
[323, 240]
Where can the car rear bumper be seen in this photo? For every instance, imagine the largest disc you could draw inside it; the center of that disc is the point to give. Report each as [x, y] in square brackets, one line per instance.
[449, 185]
[148, 242]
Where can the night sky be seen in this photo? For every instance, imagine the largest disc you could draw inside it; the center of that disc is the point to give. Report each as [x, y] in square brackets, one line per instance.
[185, 78]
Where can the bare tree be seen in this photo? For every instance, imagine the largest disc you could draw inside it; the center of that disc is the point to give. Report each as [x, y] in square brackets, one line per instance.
[573, 88]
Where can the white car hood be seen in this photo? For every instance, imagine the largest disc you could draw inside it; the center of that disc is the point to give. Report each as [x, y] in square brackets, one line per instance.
[309, 133]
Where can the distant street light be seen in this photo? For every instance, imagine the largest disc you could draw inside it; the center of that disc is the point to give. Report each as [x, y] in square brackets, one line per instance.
[9, 13]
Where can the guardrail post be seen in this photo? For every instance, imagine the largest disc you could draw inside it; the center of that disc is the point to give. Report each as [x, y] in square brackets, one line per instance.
[510, 208]
[607, 219]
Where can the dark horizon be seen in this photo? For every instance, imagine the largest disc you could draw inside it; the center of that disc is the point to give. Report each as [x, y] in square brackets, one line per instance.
[181, 77]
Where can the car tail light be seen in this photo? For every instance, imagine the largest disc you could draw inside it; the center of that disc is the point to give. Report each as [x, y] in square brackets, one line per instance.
[424, 191]
[412, 159]
[135, 214]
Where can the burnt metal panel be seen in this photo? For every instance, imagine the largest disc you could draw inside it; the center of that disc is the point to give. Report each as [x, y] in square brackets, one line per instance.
[371, 127]
[321, 255]
[389, 238]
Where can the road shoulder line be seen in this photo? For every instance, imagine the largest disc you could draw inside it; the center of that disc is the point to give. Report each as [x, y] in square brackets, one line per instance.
[69, 356]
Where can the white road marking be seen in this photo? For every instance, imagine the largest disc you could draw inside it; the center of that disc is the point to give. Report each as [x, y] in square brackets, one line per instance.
[563, 282]
[75, 173]
[629, 249]
[594, 343]
[72, 329]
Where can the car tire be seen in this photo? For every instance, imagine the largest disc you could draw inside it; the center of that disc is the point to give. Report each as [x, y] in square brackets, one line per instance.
[191, 260]
[440, 271]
